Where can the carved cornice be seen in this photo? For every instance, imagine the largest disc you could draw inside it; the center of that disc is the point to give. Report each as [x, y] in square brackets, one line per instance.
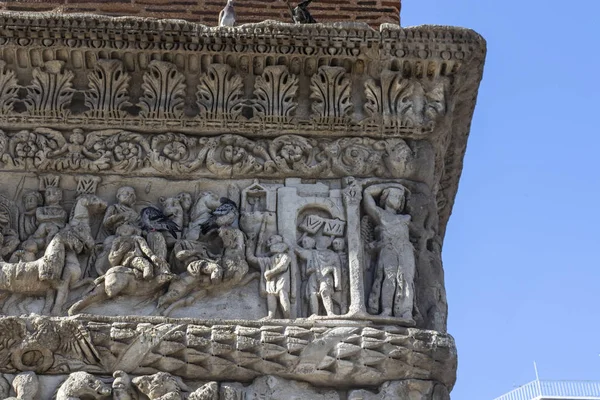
[321, 353]
[418, 83]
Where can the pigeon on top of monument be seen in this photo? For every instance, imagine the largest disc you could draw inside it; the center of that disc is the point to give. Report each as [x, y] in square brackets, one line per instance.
[300, 13]
[227, 15]
[225, 214]
[152, 220]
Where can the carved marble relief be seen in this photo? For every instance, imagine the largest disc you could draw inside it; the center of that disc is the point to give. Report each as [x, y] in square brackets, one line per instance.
[399, 101]
[180, 251]
[116, 150]
[250, 212]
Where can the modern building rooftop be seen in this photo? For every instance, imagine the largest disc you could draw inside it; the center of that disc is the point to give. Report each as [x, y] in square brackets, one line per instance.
[555, 390]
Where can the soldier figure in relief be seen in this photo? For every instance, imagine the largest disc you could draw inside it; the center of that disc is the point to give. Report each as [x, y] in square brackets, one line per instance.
[393, 291]
[116, 215]
[28, 223]
[52, 217]
[322, 272]
[131, 250]
[276, 273]
[122, 212]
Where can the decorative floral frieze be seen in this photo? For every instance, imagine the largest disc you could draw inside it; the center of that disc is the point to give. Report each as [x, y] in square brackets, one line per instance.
[108, 90]
[398, 100]
[9, 89]
[220, 93]
[164, 89]
[275, 91]
[120, 151]
[331, 94]
[51, 90]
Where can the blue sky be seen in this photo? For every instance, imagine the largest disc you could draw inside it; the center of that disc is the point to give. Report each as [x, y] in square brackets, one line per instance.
[521, 252]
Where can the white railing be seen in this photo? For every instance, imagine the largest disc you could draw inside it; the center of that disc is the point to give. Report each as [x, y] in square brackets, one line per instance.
[542, 389]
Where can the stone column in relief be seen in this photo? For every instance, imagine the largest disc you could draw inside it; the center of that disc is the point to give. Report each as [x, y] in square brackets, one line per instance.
[352, 196]
[286, 227]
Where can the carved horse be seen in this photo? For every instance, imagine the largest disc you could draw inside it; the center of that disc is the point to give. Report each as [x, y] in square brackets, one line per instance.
[59, 262]
[82, 385]
[119, 281]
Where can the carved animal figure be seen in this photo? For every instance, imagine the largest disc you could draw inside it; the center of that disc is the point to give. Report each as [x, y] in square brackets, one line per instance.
[81, 385]
[160, 386]
[120, 281]
[58, 270]
[227, 15]
[300, 13]
[152, 220]
[225, 214]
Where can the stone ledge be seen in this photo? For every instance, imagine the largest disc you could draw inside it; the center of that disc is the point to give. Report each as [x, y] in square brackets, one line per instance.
[344, 356]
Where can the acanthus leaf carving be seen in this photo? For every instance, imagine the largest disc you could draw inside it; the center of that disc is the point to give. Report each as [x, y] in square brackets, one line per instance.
[401, 101]
[108, 93]
[51, 90]
[220, 93]
[164, 90]
[331, 94]
[275, 91]
[9, 89]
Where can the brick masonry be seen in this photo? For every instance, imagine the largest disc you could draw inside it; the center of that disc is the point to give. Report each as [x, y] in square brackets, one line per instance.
[373, 12]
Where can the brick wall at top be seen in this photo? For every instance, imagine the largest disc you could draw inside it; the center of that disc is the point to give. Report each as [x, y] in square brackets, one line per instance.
[373, 12]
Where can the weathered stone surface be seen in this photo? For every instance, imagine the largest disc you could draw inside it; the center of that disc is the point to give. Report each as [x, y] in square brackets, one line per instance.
[401, 390]
[271, 387]
[183, 206]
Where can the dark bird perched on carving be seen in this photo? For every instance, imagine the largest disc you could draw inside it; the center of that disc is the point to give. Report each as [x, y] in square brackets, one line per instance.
[227, 15]
[300, 13]
[152, 220]
[225, 214]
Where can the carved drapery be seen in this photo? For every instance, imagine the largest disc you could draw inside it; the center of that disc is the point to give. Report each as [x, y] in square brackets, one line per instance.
[248, 174]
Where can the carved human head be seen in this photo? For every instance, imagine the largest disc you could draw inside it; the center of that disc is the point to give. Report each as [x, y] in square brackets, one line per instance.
[323, 242]
[209, 197]
[185, 199]
[338, 244]
[30, 246]
[128, 230]
[77, 136]
[393, 198]
[53, 195]
[126, 195]
[276, 244]
[308, 242]
[32, 200]
[233, 154]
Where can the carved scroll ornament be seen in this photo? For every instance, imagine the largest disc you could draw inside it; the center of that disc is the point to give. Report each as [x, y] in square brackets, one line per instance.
[121, 151]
